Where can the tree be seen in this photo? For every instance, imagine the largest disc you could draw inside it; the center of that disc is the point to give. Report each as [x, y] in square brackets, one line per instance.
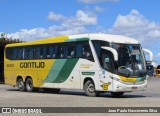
[3, 35]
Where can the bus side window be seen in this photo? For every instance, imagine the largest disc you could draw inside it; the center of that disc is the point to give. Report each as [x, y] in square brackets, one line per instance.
[107, 61]
[62, 52]
[97, 47]
[83, 50]
[41, 52]
[19, 51]
[79, 50]
[86, 51]
[10, 53]
[47, 52]
[57, 51]
[52, 51]
[69, 50]
[36, 52]
[28, 52]
[44, 52]
[15, 53]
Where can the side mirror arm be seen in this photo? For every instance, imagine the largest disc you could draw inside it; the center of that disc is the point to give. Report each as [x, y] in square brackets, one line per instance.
[150, 54]
[114, 52]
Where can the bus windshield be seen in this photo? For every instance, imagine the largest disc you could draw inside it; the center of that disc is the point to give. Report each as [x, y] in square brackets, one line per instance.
[131, 60]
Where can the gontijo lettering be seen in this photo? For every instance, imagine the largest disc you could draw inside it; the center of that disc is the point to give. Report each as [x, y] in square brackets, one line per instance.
[32, 65]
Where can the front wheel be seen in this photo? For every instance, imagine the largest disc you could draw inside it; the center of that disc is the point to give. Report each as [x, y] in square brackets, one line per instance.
[21, 85]
[29, 85]
[117, 94]
[89, 89]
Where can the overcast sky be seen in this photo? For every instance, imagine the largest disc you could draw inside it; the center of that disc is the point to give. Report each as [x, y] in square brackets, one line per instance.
[35, 19]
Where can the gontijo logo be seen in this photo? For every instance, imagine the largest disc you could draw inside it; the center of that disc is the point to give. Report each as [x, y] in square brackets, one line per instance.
[32, 65]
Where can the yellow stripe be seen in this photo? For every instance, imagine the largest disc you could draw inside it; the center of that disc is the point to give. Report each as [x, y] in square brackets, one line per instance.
[128, 79]
[42, 41]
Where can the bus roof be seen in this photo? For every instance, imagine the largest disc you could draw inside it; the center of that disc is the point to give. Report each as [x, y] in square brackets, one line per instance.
[95, 36]
[107, 37]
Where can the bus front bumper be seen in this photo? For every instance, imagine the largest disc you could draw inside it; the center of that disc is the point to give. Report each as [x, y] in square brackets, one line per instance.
[129, 86]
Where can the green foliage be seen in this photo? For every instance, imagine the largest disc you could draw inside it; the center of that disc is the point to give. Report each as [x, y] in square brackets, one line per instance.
[3, 35]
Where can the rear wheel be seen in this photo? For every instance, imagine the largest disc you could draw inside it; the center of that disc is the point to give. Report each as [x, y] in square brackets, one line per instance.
[89, 89]
[29, 85]
[21, 84]
[117, 94]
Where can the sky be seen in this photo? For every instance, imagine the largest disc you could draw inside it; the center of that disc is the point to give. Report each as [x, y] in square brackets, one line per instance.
[29, 20]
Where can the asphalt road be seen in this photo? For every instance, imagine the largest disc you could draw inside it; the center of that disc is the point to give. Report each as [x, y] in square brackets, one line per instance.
[11, 97]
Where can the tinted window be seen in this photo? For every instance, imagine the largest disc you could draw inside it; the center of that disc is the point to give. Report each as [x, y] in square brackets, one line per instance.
[68, 50]
[98, 44]
[58, 51]
[36, 52]
[107, 61]
[51, 51]
[14, 53]
[83, 50]
[9, 53]
[28, 52]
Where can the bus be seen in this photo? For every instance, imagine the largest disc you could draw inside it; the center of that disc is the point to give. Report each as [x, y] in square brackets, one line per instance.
[95, 63]
[157, 71]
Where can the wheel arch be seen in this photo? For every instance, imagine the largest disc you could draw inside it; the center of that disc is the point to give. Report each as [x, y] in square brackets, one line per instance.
[21, 86]
[19, 77]
[86, 79]
[28, 77]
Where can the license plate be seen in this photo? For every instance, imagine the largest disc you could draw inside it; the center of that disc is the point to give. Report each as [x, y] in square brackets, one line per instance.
[134, 88]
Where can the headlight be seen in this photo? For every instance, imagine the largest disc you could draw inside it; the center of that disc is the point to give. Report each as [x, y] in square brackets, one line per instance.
[114, 78]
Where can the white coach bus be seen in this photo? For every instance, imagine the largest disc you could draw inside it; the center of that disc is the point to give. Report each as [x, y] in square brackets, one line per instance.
[93, 62]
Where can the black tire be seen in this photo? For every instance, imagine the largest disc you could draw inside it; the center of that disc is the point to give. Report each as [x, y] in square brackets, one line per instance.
[49, 90]
[21, 85]
[89, 89]
[117, 94]
[29, 85]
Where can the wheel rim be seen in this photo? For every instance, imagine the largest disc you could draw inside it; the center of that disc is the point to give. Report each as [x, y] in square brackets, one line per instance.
[90, 88]
[20, 84]
[29, 85]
